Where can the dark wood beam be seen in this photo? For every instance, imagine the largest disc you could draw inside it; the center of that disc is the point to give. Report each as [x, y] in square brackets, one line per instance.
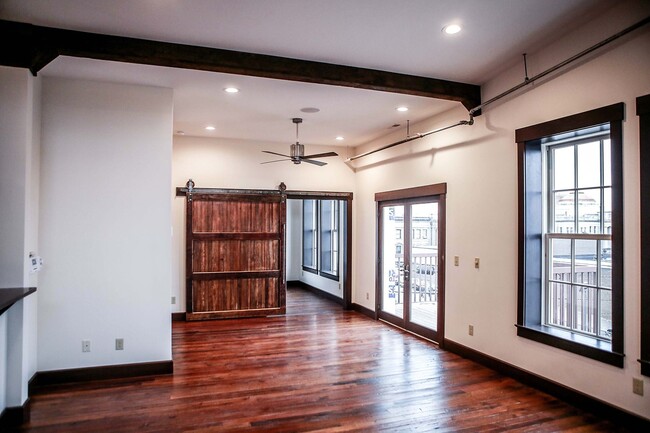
[33, 47]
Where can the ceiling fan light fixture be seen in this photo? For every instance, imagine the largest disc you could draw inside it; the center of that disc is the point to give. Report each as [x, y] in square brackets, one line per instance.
[297, 151]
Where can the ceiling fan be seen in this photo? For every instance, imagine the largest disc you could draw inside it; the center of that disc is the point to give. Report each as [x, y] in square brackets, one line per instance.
[297, 152]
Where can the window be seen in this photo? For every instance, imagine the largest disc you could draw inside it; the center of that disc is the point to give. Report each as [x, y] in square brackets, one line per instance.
[309, 235]
[577, 287]
[321, 237]
[329, 237]
[570, 234]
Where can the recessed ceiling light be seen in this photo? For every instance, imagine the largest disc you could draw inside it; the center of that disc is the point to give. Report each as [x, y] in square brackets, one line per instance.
[339, 138]
[210, 128]
[451, 29]
[179, 132]
[231, 90]
[310, 110]
[402, 109]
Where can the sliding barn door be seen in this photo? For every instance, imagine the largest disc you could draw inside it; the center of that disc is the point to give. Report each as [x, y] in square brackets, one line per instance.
[235, 255]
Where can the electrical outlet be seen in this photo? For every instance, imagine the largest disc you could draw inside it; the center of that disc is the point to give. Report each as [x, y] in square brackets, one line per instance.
[367, 296]
[470, 330]
[119, 344]
[477, 262]
[456, 260]
[173, 300]
[637, 386]
[85, 345]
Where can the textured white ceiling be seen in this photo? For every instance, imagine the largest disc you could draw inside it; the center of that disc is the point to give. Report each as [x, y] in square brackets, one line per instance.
[399, 36]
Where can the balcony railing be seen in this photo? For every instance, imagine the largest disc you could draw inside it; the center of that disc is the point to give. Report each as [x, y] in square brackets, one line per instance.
[424, 278]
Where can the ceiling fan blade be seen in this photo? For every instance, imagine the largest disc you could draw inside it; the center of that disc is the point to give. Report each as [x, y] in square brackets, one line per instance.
[275, 160]
[321, 155]
[311, 161]
[275, 153]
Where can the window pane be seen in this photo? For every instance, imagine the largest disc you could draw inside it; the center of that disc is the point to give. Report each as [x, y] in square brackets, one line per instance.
[586, 309]
[585, 262]
[589, 211]
[558, 304]
[605, 264]
[563, 166]
[326, 208]
[309, 233]
[561, 259]
[589, 164]
[607, 211]
[606, 314]
[392, 298]
[607, 162]
[564, 208]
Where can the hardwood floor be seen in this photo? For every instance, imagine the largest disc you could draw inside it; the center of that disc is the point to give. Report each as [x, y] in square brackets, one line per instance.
[318, 368]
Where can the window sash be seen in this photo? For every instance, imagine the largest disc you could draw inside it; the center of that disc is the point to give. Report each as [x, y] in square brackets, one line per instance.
[551, 286]
[310, 235]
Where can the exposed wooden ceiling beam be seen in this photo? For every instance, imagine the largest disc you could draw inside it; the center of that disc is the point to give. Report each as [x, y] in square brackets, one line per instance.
[33, 47]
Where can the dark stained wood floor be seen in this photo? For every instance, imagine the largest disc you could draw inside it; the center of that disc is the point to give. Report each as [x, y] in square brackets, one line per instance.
[317, 369]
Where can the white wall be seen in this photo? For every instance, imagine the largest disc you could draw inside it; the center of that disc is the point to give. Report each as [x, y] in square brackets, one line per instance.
[479, 165]
[14, 104]
[294, 240]
[19, 174]
[105, 218]
[214, 163]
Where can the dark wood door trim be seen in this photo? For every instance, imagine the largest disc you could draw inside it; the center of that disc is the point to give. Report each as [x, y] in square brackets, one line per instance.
[415, 192]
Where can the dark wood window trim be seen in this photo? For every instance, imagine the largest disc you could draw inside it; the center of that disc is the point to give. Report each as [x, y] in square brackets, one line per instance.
[643, 111]
[530, 279]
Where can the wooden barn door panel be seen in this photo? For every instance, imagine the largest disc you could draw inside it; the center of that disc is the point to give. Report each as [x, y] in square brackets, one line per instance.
[235, 250]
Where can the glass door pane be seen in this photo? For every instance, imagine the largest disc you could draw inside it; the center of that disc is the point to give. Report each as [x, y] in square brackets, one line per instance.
[392, 267]
[423, 298]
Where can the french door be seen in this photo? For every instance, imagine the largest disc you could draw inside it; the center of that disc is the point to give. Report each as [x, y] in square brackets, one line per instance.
[410, 289]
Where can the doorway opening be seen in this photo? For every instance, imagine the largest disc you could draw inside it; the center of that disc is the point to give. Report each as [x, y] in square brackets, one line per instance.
[411, 259]
[318, 244]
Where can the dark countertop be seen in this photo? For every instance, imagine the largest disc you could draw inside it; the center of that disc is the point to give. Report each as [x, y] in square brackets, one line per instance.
[10, 296]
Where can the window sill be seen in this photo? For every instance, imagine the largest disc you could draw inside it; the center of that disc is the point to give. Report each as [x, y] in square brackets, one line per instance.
[329, 276]
[575, 343]
[310, 270]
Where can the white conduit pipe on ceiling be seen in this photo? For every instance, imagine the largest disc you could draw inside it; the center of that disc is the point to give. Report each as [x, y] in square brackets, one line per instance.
[525, 83]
